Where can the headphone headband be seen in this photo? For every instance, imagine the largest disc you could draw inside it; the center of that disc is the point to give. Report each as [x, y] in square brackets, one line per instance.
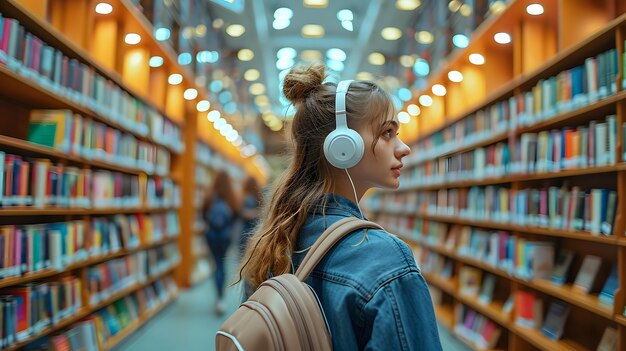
[340, 103]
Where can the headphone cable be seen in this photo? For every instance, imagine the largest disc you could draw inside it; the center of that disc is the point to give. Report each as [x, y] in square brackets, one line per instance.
[356, 199]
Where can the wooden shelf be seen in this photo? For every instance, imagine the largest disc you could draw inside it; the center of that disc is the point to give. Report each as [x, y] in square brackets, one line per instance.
[516, 178]
[445, 315]
[621, 319]
[21, 147]
[536, 338]
[60, 211]
[47, 273]
[447, 286]
[571, 295]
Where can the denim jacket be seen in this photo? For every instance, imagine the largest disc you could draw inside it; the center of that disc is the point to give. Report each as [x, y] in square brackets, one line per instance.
[371, 290]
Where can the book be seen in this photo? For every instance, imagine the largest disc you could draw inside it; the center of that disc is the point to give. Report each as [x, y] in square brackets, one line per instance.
[528, 309]
[555, 319]
[586, 277]
[469, 280]
[609, 340]
[561, 267]
[607, 295]
[486, 291]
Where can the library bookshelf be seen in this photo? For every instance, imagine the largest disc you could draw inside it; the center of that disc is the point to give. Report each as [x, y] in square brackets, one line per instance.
[481, 194]
[114, 178]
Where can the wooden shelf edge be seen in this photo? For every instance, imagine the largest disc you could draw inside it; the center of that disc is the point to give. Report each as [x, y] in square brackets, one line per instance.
[621, 319]
[60, 211]
[536, 338]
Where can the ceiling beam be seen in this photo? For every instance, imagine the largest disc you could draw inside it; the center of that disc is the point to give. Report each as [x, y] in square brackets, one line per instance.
[368, 25]
[269, 65]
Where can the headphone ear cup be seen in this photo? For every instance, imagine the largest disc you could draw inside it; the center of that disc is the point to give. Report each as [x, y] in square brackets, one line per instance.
[344, 148]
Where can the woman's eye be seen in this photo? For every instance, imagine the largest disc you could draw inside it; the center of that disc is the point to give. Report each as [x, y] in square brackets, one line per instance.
[387, 133]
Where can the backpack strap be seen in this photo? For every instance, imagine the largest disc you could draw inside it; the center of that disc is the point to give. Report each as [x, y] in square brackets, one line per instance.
[327, 240]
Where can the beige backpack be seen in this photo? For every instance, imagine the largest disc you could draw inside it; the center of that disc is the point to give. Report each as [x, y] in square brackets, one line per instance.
[284, 313]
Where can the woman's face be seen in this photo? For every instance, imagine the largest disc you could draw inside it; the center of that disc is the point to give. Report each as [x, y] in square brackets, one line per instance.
[381, 167]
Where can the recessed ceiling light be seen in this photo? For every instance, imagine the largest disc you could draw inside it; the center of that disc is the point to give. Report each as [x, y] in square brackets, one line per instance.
[188, 32]
[175, 79]
[251, 75]
[502, 38]
[455, 76]
[534, 9]
[403, 117]
[311, 55]
[345, 15]
[156, 61]
[200, 30]
[460, 41]
[376, 59]
[203, 105]
[286, 53]
[257, 89]
[391, 33]
[312, 31]
[336, 54]
[413, 110]
[162, 33]
[364, 76]
[454, 5]
[245, 55]
[477, 59]
[316, 3]
[465, 10]
[347, 25]
[235, 30]
[407, 5]
[218, 23]
[132, 38]
[213, 115]
[104, 8]
[425, 100]
[407, 61]
[283, 12]
[497, 7]
[424, 37]
[421, 67]
[190, 94]
[335, 65]
[439, 90]
[185, 59]
[281, 23]
[262, 100]
[285, 63]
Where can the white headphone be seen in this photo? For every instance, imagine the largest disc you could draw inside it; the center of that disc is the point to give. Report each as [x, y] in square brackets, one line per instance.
[343, 147]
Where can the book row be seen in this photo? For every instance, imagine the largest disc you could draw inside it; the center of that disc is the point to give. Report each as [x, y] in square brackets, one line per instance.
[563, 208]
[41, 183]
[476, 328]
[119, 274]
[593, 145]
[77, 136]
[28, 309]
[29, 56]
[35, 247]
[571, 89]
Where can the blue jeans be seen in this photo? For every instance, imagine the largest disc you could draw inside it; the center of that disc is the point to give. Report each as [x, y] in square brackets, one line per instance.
[218, 247]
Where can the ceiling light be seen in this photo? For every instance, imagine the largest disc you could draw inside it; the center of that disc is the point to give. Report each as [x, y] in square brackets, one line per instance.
[175, 79]
[391, 33]
[312, 31]
[466, 10]
[404, 94]
[421, 67]
[220, 123]
[156, 61]
[281, 23]
[162, 34]
[364, 76]
[335, 65]
[286, 53]
[425, 100]
[407, 5]
[238, 141]
[403, 117]
[376, 59]
[203, 105]
[345, 15]
[407, 61]
[235, 30]
[413, 110]
[311, 55]
[132, 38]
[226, 129]
[188, 32]
[336, 54]
[347, 25]
[454, 5]
[190, 94]
[439, 90]
[477, 59]
[502, 38]
[257, 89]
[200, 30]
[424, 37]
[262, 100]
[232, 135]
[283, 12]
[218, 23]
[460, 41]
[497, 7]
[104, 8]
[316, 3]
[282, 74]
[267, 116]
[455, 76]
[534, 9]
[285, 63]
[251, 75]
[184, 59]
[213, 115]
[245, 55]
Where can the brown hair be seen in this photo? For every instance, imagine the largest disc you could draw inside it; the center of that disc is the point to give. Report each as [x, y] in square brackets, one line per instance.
[223, 187]
[307, 179]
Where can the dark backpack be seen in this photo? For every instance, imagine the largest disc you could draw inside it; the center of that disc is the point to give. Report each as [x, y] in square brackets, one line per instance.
[284, 313]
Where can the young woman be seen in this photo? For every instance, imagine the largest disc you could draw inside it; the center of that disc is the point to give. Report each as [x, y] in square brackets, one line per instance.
[370, 288]
[219, 211]
[249, 210]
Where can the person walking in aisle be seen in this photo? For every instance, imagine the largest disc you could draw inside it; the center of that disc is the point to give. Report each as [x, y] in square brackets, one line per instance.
[369, 286]
[219, 211]
[249, 211]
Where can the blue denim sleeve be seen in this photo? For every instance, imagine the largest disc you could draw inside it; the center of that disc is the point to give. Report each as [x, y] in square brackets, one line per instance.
[400, 316]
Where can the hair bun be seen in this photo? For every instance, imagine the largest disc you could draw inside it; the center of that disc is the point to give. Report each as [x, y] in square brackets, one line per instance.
[300, 82]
